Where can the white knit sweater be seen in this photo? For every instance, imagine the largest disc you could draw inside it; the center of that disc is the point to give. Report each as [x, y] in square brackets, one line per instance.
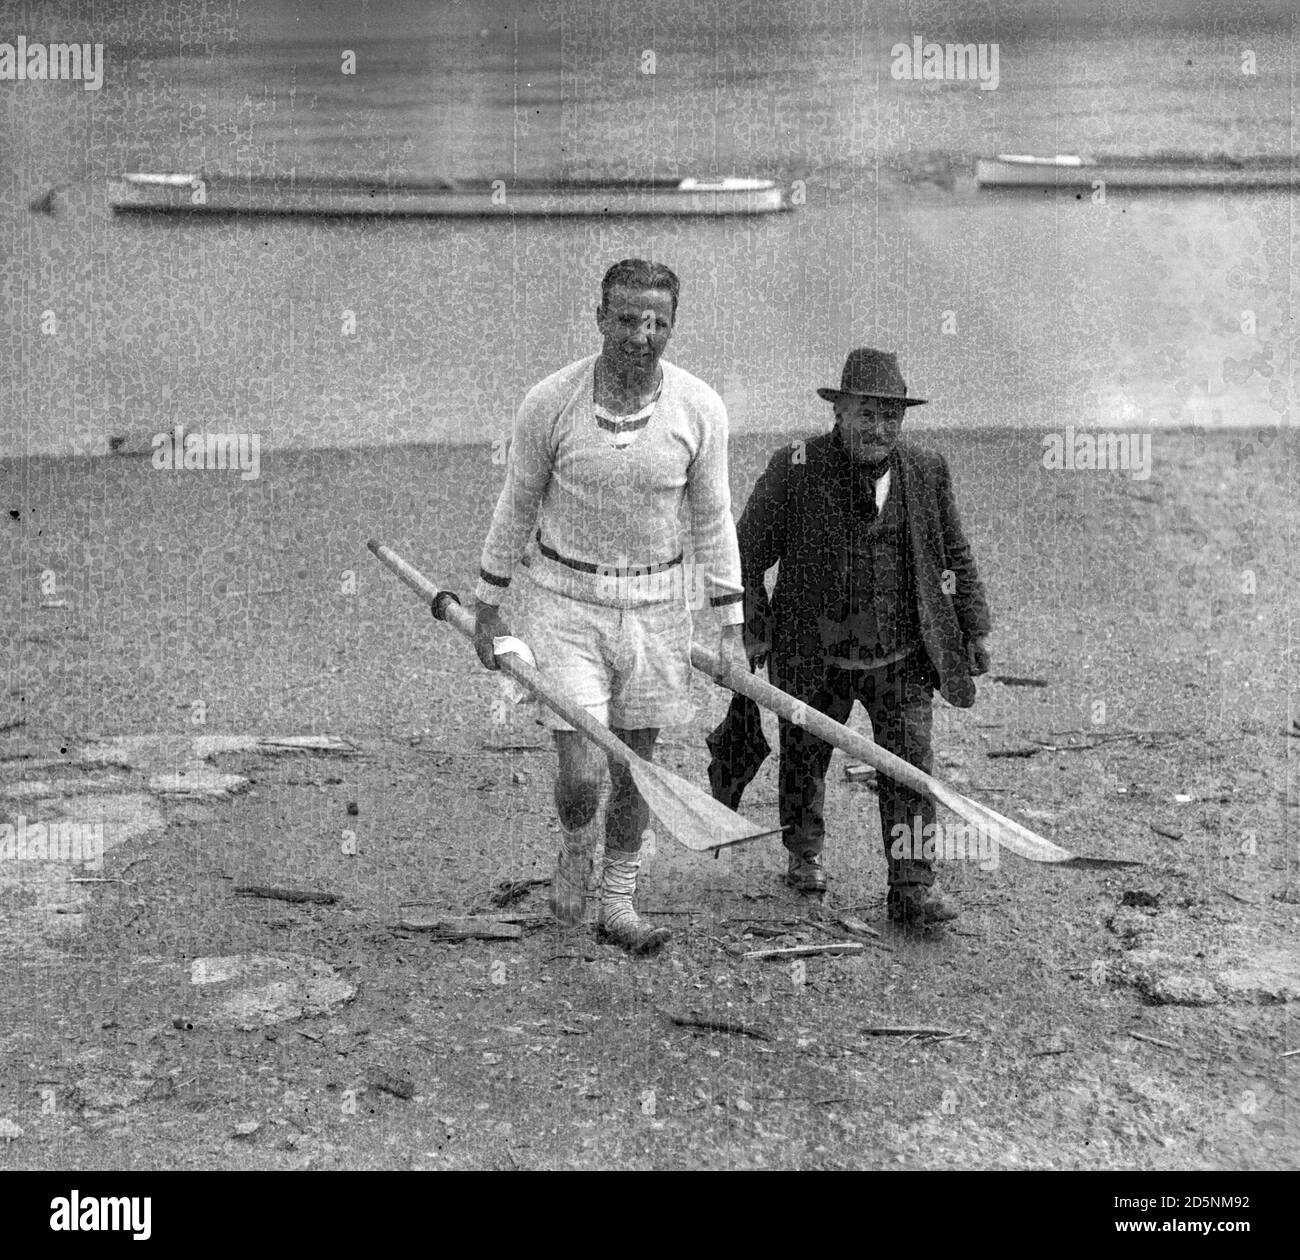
[618, 506]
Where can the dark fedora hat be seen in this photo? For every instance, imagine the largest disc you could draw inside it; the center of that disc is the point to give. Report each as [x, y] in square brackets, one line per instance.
[872, 374]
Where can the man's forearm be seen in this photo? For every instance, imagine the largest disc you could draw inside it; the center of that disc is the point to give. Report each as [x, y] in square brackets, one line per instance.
[529, 467]
[713, 544]
[759, 532]
[513, 520]
[970, 603]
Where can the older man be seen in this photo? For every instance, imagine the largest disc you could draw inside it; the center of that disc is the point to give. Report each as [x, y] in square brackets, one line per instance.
[605, 452]
[877, 600]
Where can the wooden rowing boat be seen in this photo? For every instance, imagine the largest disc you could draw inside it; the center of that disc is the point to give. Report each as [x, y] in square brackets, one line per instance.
[1069, 170]
[500, 198]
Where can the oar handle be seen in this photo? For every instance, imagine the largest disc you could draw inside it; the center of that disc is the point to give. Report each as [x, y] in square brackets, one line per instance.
[446, 607]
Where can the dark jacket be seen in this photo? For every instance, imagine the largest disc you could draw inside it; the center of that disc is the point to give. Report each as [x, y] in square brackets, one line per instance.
[798, 516]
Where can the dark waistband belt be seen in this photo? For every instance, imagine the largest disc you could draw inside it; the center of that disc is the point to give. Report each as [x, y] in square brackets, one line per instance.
[635, 570]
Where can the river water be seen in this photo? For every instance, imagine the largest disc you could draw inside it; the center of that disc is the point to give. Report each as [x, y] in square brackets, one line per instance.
[1022, 309]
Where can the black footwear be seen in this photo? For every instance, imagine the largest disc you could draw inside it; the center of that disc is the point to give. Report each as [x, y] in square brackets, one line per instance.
[805, 873]
[921, 908]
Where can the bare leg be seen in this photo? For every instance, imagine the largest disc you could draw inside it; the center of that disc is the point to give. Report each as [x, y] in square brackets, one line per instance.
[577, 797]
[628, 815]
[578, 781]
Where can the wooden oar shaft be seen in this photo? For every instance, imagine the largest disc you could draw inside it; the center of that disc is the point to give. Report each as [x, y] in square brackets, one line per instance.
[819, 724]
[515, 666]
[1007, 831]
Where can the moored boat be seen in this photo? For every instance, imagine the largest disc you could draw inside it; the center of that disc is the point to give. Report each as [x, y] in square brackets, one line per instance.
[224, 194]
[1174, 171]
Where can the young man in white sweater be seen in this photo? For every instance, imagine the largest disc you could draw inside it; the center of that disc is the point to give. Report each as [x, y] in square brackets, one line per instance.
[604, 454]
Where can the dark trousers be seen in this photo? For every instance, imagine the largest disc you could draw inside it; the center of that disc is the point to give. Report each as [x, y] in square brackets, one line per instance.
[898, 699]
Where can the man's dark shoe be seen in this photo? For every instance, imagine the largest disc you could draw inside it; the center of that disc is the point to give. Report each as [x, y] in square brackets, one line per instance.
[805, 873]
[920, 909]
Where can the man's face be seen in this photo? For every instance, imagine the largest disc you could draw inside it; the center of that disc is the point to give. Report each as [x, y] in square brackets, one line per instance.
[869, 427]
[636, 325]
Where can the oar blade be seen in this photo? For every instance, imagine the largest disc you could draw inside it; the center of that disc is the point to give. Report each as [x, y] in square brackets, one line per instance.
[1018, 839]
[1014, 836]
[1099, 864]
[689, 814]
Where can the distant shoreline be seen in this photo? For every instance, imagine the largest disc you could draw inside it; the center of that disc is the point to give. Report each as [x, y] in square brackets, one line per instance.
[750, 435]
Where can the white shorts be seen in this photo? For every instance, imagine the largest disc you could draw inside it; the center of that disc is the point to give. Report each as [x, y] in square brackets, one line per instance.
[630, 668]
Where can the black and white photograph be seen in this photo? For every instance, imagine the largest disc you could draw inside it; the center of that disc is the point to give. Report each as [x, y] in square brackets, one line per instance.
[698, 586]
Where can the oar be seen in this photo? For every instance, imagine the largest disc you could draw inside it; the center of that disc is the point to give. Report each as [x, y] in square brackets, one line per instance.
[689, 814]
[1006, 832]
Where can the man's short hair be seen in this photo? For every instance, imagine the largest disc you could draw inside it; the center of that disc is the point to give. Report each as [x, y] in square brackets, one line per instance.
[636, 273]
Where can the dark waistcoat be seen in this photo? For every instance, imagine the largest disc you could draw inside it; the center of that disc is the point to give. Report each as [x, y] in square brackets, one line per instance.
[877, 615]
